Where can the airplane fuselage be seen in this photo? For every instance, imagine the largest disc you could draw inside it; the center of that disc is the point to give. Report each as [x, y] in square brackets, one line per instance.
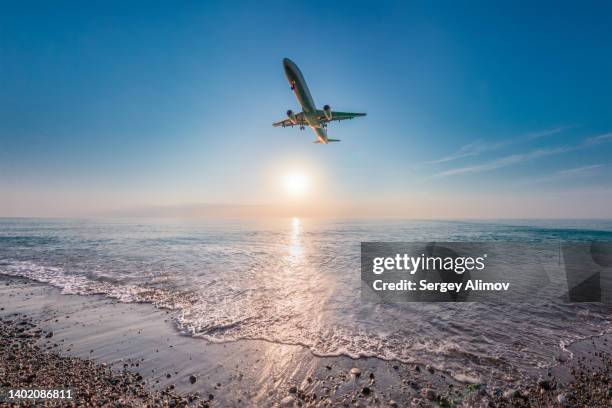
[300, 89]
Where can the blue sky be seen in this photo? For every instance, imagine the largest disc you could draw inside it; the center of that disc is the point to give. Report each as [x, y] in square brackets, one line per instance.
[474, 109]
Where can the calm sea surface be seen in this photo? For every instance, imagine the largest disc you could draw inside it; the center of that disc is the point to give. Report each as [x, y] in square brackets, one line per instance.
[297, 281]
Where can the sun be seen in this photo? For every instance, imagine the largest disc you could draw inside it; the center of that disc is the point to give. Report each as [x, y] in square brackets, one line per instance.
[296, 183]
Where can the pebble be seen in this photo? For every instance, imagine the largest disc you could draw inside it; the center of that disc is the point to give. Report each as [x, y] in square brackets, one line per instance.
[355, 371]
[29, 364]
[562, 400]
[511, 393]
[428, 393]
[544, 384]
[192, 379]
[288, 401]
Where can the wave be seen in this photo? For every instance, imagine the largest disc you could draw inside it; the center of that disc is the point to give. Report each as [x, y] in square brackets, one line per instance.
[457, 345]
[82, 285]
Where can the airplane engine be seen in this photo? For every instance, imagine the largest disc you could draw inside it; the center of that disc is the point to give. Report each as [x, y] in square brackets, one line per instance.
[328, 112]
[291, 117]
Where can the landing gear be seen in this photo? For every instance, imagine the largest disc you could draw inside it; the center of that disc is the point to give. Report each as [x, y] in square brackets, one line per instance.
[302, 127]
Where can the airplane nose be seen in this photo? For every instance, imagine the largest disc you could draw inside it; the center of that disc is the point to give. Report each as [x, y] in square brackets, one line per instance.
[287, 63]
[288, 67]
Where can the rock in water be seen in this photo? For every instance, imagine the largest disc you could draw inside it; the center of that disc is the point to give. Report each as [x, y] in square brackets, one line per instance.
[355, 371]
[192, 379]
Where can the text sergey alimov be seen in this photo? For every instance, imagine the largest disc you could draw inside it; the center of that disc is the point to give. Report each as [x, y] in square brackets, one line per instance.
[489, 271]
[412, 264]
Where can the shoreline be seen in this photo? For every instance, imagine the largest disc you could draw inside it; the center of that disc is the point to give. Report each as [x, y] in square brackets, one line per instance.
[121, 342]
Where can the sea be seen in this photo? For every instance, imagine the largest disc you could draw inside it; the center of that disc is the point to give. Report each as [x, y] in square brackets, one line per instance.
[297, 281]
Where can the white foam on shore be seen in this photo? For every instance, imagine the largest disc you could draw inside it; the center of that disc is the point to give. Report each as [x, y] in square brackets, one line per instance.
[225, 314]
[82, 285]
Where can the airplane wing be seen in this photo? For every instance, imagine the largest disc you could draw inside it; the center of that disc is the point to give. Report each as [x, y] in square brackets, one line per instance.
[338, 116]
[299, 118]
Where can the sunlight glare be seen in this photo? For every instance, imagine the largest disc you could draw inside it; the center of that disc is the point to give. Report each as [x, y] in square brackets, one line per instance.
[296, 183]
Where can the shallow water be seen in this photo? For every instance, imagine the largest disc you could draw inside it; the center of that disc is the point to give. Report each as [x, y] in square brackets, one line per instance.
[298, 282]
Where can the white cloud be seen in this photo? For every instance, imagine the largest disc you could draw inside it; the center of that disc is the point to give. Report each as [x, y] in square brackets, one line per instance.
[575, 172]
[524, 157]
[505, 161]
[478, 147]
[597, 140]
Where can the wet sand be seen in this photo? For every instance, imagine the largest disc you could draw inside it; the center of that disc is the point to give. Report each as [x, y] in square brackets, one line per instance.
[116, 353]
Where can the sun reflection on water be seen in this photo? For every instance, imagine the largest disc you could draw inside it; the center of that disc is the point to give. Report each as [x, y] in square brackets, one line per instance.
[295, 244]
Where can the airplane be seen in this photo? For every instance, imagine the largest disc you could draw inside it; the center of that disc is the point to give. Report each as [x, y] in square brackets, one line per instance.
[310, 116]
